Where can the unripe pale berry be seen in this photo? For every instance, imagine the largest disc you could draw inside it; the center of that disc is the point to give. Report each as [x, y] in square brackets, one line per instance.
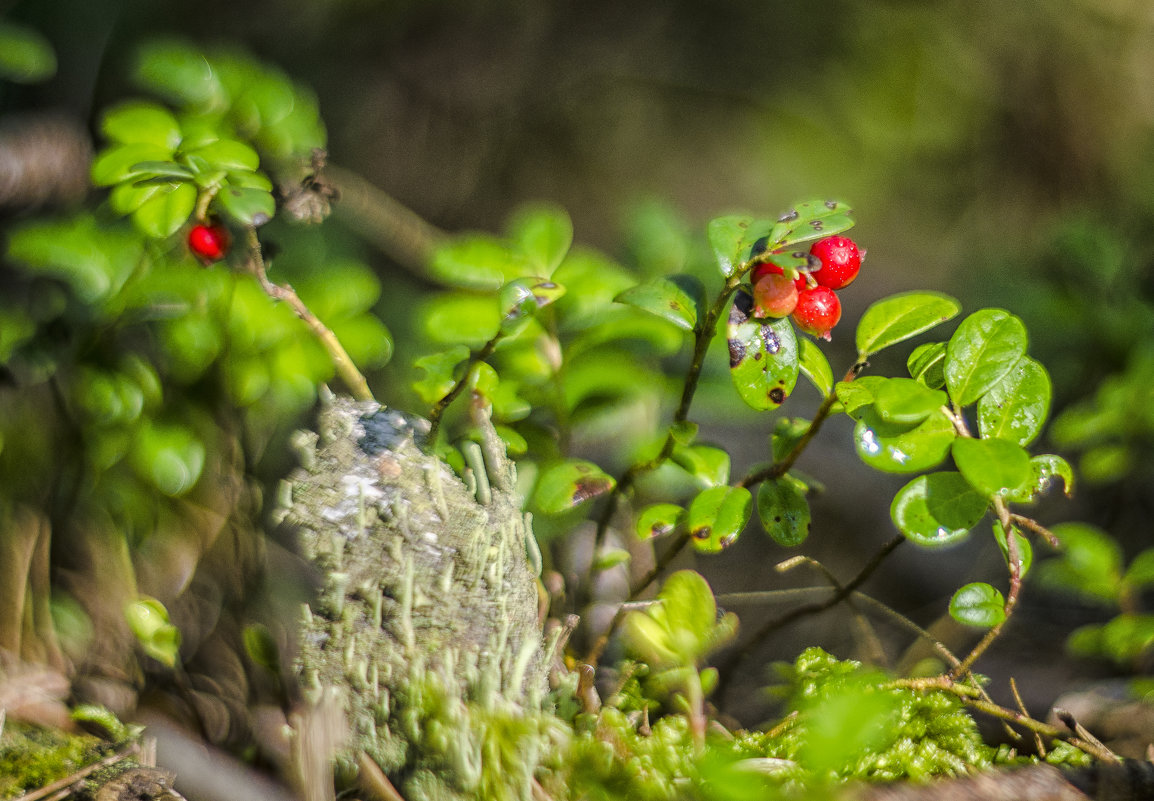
[840, 261]
[817, 312]
[208, 242]
[774, 295]
[767, 268]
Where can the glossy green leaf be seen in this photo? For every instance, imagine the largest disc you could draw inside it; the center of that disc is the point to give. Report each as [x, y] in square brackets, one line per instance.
[896, 448]
[1090, 565]
[1015, 408]
[544, 234]
[179, 72]
[717, 517]
[667, 298]
[440, 373]
[161, 169]
[571, 483]
[787, 432]
[1046, 466]
[979, 605]
[228, 154]
[763, 356]
[453, 318]
[784, 510]
[681, 629]
[149, 623]
[139, 122]
[127, 162]
[25, 55]
[857, 396]
[709, 465]
[164, 212]
[901, 317]
[727, 238]
[521, 299]
[1025, 548]
[253, 207]
[659, 519]
[927, 364]
[906, 401]
[937, 509]
[993, 466]
[983, 349]
[813, 219]
[476, 261]
[683, 432]
[815, 366]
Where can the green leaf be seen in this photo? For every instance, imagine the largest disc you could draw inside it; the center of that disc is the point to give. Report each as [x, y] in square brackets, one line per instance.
[571, 483]
[1090, 565]
[252, 207]
[784, 510]
[763, 356]
[981, 352]
[609, 559]
[857, 396]
[993, 466]
[727, 238]
[689, 611]
[1140, 573]
[659, 519]
[179, 72]
[815, 366]
[671, 299]
[25, 55]
[1025, 549]
[901, 317]
[717, 517]
[544, 234]
[1045, 467]
[161, 169]
[937, 509]
[787, 432]
[169, 457]
[1015, 408]
[906, 401]
[476, 261]
[927, 364]
[261, 647]
[978, 604]
[127, 162]
[440, 373]
[709, 465]
[228, 154]
[521, 299]
[165, 211]
[149, 623]
[895, 448]
[453, 318]
[138, 122]
[813, 219]
[683, 432]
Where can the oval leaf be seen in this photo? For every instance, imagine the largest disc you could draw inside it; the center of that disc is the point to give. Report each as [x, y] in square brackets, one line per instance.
[937, 509]
[544, 234]
[142, 123]
[522, 298]
[25, 55]
[894, 448]
[1025, 549]
[904, 400]
[815, 366]
[763, 356]
[727, 237]
[993, 466]
[901, 317]
[813, 219]
[709, 465]
[247, 206]
[784, 511]
[717, 517]
[981, 352]
[659, 519]
[571, 483]
[1016, 407]
[927, 364]
[978, 604]
[127, 162]
[665, 298]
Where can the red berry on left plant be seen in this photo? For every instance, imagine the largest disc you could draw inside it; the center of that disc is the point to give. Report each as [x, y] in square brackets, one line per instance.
[208, 242]
[840, 261]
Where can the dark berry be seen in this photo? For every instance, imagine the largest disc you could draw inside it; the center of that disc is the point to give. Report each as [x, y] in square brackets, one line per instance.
[840, 261]
[817, 312]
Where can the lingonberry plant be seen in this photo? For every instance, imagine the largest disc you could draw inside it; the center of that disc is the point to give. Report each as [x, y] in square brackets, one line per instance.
[190, 376]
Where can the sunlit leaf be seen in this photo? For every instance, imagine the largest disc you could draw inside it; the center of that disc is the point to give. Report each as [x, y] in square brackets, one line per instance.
[901, 317]
[896, 448]
[659, 519]
[1025, 548]
[906, 401]
[937, 509]
[676, 299]
[763, 356]
[993, 466]
[1046, 466]
[815, 366]
[983, 349]
[926, 364]
[727, 237]
[137, 122]
[521, 299]
[1090, 565]
[978, 604]
[709, 465]
[1015, 408]
[544, 234]
[149, 623]
[127, 162]
[570, 483]
[253, 207]
[166, 211]
[440, 373]
[813, 219]
[717, 517]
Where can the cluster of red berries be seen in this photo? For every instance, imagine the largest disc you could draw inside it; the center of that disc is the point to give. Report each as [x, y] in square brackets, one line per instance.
[810, 297]
[208, 241]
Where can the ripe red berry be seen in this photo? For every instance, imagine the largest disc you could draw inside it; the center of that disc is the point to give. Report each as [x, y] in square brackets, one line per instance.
[767, 268]
[840, 261]
[818, 311]
[208, 242]
[774, 295]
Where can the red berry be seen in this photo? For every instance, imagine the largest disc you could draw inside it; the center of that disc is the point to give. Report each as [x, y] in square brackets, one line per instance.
[208, 242]
[817, 311]
[840, 261]
[774, 295]
[767, 268]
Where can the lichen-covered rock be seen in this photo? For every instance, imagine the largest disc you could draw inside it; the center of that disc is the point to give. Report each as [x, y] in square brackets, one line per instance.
[425, 583]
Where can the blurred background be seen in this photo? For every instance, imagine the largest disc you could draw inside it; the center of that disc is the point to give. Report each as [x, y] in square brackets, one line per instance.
[1001, 152]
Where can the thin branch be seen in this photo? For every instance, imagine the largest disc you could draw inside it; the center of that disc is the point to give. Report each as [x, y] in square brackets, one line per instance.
[440, 406]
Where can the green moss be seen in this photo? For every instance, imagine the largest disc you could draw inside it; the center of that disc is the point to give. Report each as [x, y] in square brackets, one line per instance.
[31, 757]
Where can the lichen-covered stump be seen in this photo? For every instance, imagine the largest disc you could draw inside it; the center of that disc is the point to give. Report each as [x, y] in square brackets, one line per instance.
[426, 624]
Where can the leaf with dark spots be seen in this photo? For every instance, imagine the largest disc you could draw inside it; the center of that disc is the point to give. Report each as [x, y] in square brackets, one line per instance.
[763, 356]
[736, 353]
[569, 483]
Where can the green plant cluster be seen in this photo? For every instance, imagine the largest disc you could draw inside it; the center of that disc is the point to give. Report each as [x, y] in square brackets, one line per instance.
[32, 757]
